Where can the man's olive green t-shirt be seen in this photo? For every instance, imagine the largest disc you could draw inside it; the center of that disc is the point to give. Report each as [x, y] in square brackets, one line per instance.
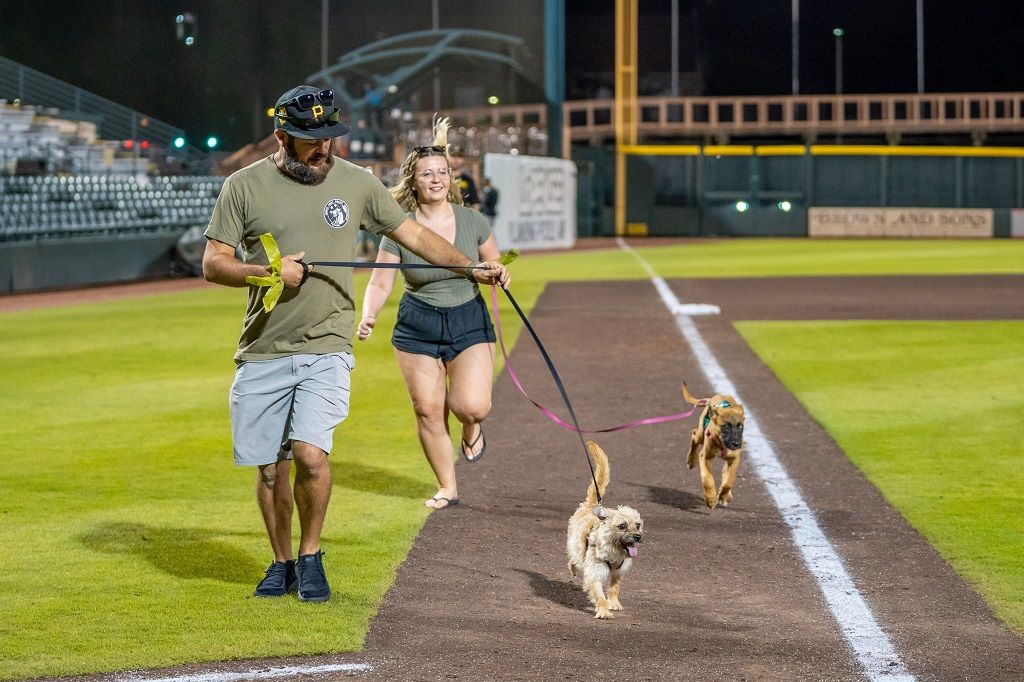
[444, 288]
[321, 220]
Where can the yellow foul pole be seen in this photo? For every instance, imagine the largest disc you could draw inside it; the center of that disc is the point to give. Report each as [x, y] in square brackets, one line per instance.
[626, 110]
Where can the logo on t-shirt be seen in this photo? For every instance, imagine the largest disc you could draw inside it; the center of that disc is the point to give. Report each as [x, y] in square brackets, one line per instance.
[336, 213]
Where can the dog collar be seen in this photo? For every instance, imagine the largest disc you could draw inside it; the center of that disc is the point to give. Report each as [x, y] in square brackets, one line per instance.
[615, 568]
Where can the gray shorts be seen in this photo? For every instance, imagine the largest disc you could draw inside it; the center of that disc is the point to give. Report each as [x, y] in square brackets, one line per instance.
[297, 397]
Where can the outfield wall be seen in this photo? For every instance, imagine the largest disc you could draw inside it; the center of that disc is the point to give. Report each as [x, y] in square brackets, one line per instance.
[46, 264]
[740, 190]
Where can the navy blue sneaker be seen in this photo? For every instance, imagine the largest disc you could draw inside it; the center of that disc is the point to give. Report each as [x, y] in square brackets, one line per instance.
[279, 580]
[312, 580]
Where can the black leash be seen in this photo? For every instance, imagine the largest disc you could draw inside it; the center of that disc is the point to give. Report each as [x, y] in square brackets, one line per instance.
[392, 266]
[598, 511]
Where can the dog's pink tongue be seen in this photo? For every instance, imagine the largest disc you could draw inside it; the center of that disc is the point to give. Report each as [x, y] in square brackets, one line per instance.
[632, 550]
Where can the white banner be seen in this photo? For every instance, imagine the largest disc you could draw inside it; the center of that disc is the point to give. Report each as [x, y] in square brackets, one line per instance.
[899, 222]
[1017, 222]
[536, 201]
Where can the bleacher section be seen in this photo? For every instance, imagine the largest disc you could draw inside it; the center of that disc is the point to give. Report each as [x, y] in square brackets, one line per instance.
[85, 230]
[91, 191]
[37, 141]
[51, 207]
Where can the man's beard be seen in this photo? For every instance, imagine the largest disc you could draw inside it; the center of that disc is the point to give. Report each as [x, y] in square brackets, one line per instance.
[307, 175]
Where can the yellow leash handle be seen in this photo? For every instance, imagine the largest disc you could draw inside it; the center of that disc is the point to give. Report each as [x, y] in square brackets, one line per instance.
[273, 280]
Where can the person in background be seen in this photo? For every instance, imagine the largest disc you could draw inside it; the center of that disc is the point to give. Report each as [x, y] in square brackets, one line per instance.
[443, 337]
[291, 384]
[463, 180]
[490, 203]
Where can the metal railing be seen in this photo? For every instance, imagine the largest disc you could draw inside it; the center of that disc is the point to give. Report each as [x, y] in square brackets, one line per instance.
[114, 121]
[806, 116]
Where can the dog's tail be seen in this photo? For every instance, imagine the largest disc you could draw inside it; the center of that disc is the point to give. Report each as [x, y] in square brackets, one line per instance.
[601, 472]
[689, 398]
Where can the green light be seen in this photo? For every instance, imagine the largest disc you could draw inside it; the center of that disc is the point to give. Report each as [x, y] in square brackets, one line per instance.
[211, 142]
[837, 32]
[179, 142]
[189, 40]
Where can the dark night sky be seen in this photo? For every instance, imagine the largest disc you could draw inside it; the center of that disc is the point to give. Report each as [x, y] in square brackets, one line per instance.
[248, 52]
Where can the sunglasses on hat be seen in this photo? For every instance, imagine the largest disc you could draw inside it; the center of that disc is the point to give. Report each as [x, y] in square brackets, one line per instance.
[306, 102]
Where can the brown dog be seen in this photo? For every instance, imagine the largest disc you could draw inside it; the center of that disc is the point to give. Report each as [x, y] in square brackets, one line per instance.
[602, 548]
[719, 433]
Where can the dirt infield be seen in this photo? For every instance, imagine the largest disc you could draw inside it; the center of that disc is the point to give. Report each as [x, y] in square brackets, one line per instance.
[484, 593]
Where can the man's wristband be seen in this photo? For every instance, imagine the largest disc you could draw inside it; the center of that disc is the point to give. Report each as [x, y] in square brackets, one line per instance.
[469, 272]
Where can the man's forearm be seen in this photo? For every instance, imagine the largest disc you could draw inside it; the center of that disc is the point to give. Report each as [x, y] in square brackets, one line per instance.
[227, 270]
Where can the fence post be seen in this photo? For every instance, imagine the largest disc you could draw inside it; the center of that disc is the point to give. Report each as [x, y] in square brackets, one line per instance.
[1019, 167]
[698, 179]
[883, 180]
[808, 179]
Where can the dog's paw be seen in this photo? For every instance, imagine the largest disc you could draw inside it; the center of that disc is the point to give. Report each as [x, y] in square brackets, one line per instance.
[603, 614]
[725, 498]
[614, 605]
[711, 501]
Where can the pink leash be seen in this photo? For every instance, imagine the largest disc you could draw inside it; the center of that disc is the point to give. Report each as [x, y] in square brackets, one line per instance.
[554, 417]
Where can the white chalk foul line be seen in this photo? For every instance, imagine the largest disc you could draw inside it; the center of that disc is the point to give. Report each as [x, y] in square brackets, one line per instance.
[871, 645]
[252, 674]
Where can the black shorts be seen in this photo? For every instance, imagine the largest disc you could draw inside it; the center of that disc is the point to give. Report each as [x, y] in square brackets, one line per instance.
[443, 333]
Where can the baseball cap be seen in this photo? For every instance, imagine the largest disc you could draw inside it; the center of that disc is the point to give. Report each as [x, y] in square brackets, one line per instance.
[309, 112]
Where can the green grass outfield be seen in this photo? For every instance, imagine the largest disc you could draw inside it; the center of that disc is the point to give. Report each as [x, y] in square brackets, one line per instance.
[129, 540]
[931, 413]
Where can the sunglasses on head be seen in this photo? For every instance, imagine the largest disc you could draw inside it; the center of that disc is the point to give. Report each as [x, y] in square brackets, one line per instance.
[311, 124]
[426, 149]
[306, 102]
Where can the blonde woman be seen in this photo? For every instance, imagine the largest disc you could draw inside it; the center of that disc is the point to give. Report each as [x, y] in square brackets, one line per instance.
[443, 338]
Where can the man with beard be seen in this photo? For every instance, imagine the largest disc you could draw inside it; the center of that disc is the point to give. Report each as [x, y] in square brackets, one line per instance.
[291, 384]
[463, 180]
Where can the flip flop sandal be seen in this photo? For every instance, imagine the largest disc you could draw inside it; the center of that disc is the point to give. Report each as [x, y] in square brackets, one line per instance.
[450, 502]
[472, 445]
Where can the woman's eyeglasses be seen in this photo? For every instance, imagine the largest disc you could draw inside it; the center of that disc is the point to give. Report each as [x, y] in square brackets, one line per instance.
[441, 173]
[306, 102]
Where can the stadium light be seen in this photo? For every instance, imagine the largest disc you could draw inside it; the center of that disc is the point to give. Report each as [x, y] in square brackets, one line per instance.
[838, 33]
[179, 142]
[186, 28]
[742, 206]
[784, 206]
[211, 142]
[493, 99]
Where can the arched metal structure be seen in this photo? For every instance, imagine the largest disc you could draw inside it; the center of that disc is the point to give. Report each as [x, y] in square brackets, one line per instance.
[384, 73]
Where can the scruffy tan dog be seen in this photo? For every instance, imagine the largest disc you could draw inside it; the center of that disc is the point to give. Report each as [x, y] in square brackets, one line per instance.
[719, 433]
[602, 549]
